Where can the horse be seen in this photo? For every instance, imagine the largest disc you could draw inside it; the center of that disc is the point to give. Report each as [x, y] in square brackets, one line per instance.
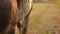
[8, 16]
[24, 10]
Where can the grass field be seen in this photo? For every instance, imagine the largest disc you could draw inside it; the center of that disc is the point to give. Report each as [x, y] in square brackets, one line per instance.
[44, 19]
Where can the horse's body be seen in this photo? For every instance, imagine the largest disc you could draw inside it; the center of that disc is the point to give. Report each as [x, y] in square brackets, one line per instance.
[9, 16]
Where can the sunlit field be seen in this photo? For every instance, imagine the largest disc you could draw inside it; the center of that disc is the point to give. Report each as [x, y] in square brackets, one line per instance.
[44, 19]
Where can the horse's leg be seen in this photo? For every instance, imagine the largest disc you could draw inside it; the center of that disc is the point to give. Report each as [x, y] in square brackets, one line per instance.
[26, 21]
[19, 26]
[12, 30]
[25, 24]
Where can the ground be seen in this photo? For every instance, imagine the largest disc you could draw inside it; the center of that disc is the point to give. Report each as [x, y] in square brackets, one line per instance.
[44, 19]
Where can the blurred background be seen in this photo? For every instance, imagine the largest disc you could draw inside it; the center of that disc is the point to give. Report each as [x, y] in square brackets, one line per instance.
[44, 17]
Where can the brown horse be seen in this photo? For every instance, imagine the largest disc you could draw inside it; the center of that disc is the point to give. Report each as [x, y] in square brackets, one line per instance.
[24, 9]
[8, 16]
